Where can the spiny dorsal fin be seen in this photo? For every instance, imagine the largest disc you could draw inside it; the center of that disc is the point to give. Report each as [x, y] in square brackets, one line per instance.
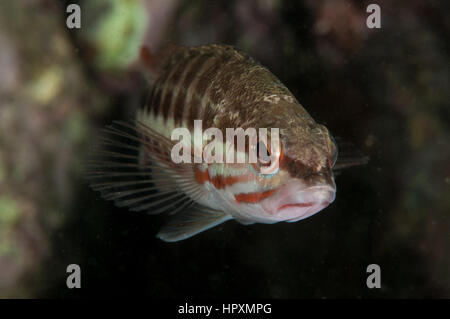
[191, 222]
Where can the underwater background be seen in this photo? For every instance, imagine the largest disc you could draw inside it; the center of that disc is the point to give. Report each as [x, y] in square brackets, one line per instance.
[386, 90]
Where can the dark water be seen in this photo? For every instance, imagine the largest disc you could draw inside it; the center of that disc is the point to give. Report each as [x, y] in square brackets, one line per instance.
[386, 90]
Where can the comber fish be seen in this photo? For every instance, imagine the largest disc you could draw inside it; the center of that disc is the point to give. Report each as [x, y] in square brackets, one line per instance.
[224, 88]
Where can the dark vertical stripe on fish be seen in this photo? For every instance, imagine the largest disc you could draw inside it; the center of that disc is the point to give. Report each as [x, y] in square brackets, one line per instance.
[150, 98]
[169, 86]
[205, 81]
[179, 91]
[194, 82]
[197, 89]
[189, 85]
[156, 99]
[208, 104]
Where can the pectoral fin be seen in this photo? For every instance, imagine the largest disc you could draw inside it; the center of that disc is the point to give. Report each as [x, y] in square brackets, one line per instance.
[191, 222]
[349, 156]
[132, 166]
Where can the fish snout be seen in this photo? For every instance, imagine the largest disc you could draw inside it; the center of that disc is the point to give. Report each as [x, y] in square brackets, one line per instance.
[322, 195]
[293, 203]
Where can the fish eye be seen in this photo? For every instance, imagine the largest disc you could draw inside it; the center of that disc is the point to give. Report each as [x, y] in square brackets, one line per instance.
[263, 154]
[265, 166]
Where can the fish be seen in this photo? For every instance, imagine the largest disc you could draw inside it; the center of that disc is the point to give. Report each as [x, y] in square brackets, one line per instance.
[224, 88]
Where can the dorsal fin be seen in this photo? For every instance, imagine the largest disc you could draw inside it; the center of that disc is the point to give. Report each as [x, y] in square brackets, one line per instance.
[153, 62]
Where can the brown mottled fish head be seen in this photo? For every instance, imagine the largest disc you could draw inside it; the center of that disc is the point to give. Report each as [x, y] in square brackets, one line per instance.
[309, 148]
[304, 183]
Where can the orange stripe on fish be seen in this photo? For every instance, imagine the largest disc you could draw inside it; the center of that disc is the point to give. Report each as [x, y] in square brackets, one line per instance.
[253, 198]
[201, 176]
[219, 181]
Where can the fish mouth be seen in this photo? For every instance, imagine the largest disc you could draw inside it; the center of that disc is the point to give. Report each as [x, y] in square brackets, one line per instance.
[293, 202]
[308, 204]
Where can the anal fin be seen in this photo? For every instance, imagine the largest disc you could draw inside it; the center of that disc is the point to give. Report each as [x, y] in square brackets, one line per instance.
[191, 222]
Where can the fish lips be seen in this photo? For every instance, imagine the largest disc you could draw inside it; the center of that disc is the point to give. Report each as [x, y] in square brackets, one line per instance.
[294, 202]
